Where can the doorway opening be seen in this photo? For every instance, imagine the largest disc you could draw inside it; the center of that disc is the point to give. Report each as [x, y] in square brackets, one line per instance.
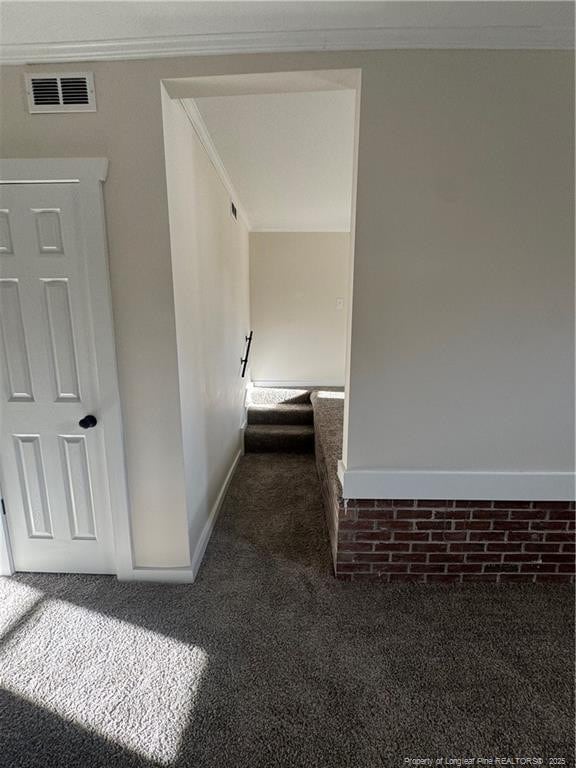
[261, 178]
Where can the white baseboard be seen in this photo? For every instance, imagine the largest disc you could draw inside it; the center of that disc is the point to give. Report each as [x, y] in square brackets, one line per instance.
[185, 575]
[481, 486]
[306, 384]
[166, 575]
[202, 543]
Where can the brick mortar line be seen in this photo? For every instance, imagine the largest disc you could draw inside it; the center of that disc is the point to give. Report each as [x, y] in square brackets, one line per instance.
[459, 520]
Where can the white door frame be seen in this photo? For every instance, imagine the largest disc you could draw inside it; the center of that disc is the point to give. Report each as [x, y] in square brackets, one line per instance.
[89, 174]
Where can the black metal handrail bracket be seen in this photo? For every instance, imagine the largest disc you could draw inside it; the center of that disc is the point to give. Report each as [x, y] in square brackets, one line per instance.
[244, 360]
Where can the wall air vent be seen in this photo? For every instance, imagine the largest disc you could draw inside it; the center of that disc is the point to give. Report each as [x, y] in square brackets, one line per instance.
[68, 92]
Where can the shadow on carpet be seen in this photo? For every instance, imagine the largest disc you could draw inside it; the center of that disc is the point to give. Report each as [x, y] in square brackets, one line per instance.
[266, 660]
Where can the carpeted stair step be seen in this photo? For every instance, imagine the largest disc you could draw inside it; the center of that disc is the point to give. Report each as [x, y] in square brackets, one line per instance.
[279, 438]
[281, 413]
[275, 395]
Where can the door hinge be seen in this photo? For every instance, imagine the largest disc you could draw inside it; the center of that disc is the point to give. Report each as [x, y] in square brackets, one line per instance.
[3, 507]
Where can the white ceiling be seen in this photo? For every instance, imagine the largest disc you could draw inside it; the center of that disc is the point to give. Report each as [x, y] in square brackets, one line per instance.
[289, 156]
[48, 31]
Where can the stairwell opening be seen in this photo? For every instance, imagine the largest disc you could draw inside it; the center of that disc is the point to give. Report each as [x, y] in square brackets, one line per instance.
[261, 175]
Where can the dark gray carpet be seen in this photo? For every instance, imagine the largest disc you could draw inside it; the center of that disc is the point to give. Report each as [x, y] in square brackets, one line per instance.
[267, 661]
[280, 413]
[279, 438]
[328, 410]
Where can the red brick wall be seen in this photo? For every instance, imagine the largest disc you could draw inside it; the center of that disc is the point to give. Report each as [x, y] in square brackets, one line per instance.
[455, 541]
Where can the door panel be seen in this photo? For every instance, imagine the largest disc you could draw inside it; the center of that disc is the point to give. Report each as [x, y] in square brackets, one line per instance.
[62, 348]
[33, 486]
[16, 358]
[55, 473]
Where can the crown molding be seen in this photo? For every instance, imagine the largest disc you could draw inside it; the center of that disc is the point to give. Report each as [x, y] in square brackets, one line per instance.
[363, 38]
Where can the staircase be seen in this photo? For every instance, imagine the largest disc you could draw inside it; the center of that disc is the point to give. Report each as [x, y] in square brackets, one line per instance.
[279, 420]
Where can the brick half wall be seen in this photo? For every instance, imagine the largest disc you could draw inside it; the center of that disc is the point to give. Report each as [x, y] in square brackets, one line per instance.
[453, 541]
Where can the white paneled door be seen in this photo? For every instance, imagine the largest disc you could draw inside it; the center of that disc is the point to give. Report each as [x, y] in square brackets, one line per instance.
[55, 468]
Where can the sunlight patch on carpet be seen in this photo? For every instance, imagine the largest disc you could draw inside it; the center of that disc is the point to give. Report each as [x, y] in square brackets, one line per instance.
[16, 601]
[329, 395]
[118, 680]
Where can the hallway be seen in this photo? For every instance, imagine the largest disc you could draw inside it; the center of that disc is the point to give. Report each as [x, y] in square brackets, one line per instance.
[266, 660]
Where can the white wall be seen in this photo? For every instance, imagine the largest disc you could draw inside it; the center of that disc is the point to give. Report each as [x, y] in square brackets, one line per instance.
[210, 268]
[295, 280]
[462, 354]
[462, 319]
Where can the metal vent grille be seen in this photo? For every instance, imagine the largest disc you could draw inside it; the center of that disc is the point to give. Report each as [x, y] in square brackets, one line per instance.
[74, 90]
[45, 91]
[71, 92]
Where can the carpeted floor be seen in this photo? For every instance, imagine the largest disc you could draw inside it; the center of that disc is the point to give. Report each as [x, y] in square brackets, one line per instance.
[267, 661]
